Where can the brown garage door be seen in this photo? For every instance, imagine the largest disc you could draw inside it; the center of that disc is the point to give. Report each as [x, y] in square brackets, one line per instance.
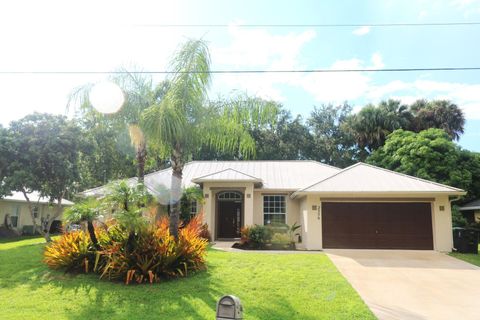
[362, 225]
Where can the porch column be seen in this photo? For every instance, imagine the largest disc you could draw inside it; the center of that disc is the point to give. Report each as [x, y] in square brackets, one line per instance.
[248, 214]
[209, 217]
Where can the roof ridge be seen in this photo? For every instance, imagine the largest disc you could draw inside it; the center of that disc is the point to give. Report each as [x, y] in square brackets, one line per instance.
[333, 175]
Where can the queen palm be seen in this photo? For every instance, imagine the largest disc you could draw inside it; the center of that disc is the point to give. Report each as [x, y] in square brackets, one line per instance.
[184, 120]
[140, 93]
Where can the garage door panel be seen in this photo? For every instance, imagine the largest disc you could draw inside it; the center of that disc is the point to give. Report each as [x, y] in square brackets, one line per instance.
[377, 225]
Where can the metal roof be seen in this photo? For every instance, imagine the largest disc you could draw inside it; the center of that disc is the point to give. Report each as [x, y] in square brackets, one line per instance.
[226, 175]
[292, 175]
[362, 177]
[274, 175]
[474, 205]
[34, 198]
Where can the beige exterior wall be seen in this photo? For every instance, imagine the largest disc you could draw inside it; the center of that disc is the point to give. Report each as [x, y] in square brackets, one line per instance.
[252, 207]
[306, 211]
[20, 209]
[442, 224]
[476, 216]
[210, 191]
[441, 217]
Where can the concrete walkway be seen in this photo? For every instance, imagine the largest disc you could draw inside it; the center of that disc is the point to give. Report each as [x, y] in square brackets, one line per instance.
[398, 284]
[227, 246]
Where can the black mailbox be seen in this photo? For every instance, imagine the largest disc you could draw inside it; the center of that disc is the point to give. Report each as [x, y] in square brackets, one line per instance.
[229, 307]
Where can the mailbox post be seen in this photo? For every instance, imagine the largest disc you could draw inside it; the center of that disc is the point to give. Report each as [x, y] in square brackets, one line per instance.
[229, 308]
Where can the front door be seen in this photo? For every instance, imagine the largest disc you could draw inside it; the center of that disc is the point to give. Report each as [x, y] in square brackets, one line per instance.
[229, 219]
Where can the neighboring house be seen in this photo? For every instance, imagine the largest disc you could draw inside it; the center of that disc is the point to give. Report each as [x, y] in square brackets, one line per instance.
[20, 219]
[471, 211]
[362, 206]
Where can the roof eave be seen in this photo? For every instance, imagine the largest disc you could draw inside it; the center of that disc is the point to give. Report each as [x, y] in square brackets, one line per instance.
[452, 193]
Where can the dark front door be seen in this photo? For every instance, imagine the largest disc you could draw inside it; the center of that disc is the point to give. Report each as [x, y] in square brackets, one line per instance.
[229, 219]
[377, 225]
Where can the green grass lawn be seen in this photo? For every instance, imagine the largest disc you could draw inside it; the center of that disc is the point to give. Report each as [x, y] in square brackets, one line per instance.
[270, 286]
[468, 257]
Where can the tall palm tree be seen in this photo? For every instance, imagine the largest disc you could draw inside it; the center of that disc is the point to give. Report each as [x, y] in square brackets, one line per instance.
[140, 94]
[185, 120]
[441, 114]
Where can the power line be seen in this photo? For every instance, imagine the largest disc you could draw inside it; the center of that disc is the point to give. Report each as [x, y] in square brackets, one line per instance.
[321, 25]
[245, 71]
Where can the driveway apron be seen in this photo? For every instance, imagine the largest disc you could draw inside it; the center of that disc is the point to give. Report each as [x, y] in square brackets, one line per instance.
[401, 284]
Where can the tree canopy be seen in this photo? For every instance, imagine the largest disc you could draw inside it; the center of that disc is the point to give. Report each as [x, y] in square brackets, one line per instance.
[431, 155]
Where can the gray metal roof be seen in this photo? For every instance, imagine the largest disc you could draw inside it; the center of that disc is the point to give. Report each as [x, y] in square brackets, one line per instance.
[474, 205]
[362, 177]
[292, 175]
[275, 175]
[34, 198]
[227, 175]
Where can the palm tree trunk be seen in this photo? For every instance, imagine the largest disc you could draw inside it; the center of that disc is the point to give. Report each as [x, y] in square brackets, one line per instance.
[91, 232]
[141, 158]
[176, 190]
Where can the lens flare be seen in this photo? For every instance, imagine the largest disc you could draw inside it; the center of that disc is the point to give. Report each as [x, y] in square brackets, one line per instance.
[106, 97]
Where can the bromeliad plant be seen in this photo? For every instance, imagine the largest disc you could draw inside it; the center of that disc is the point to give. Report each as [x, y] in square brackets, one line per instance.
[128, 248]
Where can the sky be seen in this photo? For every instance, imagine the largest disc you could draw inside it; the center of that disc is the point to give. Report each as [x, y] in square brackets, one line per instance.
[108, 35]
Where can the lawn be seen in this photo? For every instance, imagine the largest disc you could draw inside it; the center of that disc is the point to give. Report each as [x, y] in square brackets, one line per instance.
[468, 257]
[270, 286]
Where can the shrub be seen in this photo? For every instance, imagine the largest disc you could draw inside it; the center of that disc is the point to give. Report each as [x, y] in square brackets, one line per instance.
[205, 233]
[150, 255]
[245, 235]
[259, 235]
[281, 238]
[73, 251]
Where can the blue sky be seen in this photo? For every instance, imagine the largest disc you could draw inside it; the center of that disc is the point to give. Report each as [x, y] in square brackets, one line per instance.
[89, 35]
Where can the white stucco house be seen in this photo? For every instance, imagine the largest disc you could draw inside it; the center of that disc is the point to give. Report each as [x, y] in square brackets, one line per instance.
[361, 206]
[15, 207]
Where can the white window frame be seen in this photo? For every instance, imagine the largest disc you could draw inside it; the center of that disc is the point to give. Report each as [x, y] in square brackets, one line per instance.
[284, 207]
[193, 208]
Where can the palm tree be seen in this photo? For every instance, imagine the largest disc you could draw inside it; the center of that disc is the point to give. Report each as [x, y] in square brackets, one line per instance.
[87, 211]
[441, 114]
[140, 94]
[184, 120]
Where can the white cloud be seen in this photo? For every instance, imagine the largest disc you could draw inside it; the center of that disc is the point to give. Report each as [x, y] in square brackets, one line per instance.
[466, 96]
[361, 31]
[259, 49]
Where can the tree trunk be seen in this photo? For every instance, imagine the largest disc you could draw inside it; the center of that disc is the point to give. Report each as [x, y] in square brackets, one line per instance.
[91, 232]
[30, 208]
[141, 158]
[56, 215]
[176, 190]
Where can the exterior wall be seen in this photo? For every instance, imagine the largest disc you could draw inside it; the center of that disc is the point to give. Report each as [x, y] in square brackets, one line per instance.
[312, 219]
[210, 191]
[306, 211]
[252, 206]
[442, 224]
[24, 216]
[476, 216]
[292, 207]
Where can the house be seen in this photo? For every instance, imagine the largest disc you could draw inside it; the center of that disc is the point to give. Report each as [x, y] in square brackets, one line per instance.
[471, 211]
[361, 206]
[14, 211]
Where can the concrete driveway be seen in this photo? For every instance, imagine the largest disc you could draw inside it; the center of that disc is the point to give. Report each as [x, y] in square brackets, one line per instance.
[399, 284]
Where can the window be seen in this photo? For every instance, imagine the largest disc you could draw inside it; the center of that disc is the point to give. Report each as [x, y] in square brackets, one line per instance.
[35, 212]
[274, 209]
[15, 215]
[193, 208]
[230, 195]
